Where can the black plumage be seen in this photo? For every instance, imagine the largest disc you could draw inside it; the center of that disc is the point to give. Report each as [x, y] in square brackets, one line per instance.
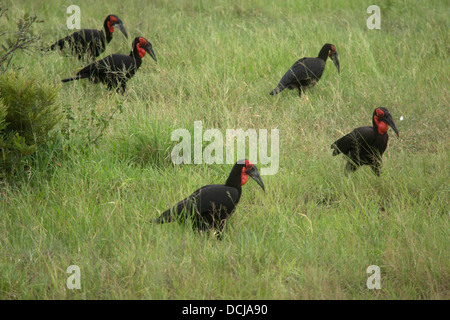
[115, 70]
[306, 72]
[90, 43]
[210, 206]
[366, 145]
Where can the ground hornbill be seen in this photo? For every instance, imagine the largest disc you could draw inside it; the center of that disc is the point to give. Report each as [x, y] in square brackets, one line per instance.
[88, 42]
[116, 69]
[366, 145]
[209, 207]
[307, 71]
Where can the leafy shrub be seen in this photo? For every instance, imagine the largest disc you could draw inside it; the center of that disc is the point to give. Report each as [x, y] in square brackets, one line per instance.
[28, 111]
[21, 39]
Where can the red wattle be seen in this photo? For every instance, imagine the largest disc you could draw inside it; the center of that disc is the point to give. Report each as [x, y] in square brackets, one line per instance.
[244, 177]
[382, 127]
[380, 113]
[140, 50]
[110, 27]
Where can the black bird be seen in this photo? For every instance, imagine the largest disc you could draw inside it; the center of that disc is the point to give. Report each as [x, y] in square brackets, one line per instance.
[209, 207]
[306, 72]
[116, 69]
[88, 42]
[366, 145]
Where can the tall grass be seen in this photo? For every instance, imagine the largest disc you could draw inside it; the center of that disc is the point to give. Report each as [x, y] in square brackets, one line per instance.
[313, 233]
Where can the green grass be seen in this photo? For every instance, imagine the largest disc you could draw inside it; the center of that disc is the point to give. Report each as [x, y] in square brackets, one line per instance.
[313, 233]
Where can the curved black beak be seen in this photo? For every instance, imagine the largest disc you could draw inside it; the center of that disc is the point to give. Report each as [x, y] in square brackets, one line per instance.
[254, 174]
[119, 25]
[334, 57]
[149, 50]
[391, 123]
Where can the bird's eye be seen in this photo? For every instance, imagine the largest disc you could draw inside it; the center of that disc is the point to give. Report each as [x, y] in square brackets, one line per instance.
[248, 165]
[142, 41]
[380, 113]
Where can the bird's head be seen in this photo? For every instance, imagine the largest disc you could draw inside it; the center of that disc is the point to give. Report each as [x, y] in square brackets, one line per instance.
[143, 46]
[112, 21]
[382, 119]
[249, 169]
[333, 55]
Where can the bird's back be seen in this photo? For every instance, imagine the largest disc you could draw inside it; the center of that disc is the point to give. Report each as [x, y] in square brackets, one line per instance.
[302, 73]
[309, 68]
[84, 41]
[88, 35]
[112, 64]
[363, 145]
[359, 136]
[209, 203]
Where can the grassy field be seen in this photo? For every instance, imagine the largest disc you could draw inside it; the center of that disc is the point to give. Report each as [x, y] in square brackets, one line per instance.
[313, 233]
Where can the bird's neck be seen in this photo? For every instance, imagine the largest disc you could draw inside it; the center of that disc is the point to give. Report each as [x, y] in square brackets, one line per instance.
[109, 29]
[135, 55]
[108, 34]
[234, 182]
[235, 178]
[323, 54]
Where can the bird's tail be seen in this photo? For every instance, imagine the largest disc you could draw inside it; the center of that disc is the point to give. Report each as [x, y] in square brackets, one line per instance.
[59, 43]
[77, 77]
[336, 150]
[165, 217]
[70, 79]
[277, 90]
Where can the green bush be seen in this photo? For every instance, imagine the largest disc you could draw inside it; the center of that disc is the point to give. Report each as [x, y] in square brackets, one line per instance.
[28, 111]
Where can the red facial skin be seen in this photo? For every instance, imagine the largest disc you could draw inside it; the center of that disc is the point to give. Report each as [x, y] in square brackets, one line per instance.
[333, 50]
[244, 175]
[142, 42]
[382, 126]
[111, 21]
